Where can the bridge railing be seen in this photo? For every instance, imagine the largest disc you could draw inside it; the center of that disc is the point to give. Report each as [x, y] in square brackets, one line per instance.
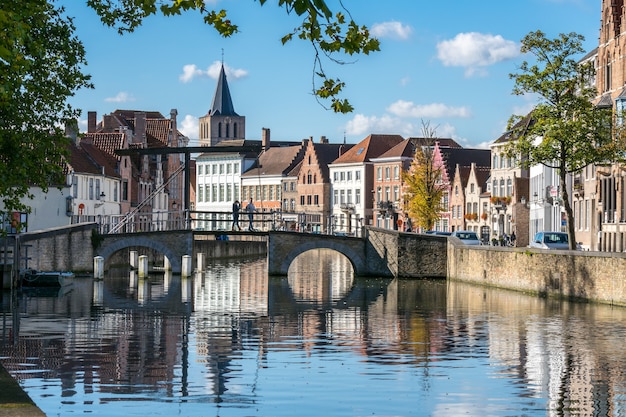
[209, 221]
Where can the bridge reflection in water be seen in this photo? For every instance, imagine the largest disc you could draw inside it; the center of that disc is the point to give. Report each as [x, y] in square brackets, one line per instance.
[233, 341]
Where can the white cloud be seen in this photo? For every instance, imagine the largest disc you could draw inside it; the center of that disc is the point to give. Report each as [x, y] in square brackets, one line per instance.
[191, 71]
[189, 126]
[121, 97]
[402, 108]
[475, 50]
[362, 125]
[393, 30]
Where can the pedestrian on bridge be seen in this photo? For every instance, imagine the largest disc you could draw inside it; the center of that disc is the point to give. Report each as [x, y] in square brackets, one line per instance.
[250, 209]
[236, 210]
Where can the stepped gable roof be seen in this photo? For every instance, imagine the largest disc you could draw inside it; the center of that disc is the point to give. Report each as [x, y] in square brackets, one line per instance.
[371, 147]
[326, 153]
[519, 128]
[443, 142]
[222, 104]
[276, 161]
[464, 157]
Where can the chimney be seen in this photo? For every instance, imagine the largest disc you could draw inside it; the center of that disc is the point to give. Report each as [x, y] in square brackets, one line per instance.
[265, 139]
[107, 123]
[324, 140]
[140, 127]
[174, 132]
[91, 121]
[71, 131]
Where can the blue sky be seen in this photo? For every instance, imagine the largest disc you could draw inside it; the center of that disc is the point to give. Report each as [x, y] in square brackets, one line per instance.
[446, 63]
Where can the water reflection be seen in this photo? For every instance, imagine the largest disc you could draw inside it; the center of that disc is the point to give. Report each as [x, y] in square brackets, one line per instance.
[230, 341]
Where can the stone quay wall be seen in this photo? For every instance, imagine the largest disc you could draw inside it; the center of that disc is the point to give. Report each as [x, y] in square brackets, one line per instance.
[405, 255]
[66, 248]
[592, 276]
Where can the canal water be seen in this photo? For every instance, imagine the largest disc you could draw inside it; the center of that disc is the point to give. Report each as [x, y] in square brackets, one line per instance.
[230, 341]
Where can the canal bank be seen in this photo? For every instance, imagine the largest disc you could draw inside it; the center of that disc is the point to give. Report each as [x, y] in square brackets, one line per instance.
[14, 402]
[579, 275]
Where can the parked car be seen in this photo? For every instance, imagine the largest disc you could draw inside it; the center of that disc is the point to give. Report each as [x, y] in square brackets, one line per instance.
[550, 240]
[438, 233]
[467, 237]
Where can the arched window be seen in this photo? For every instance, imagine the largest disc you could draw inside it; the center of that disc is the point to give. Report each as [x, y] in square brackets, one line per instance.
[509, 187]
[502, 188]
[227, 130]
[219, 130]
[494, 191]
[309, 178]
[234, 130]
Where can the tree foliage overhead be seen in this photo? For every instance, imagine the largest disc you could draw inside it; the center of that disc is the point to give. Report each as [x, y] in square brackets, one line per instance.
[330, 34]
[424, 189]
[40, 67]
[567, 131]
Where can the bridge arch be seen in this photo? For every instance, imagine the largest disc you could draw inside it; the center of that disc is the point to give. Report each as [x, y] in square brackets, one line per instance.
[162, 244]
[288, 251]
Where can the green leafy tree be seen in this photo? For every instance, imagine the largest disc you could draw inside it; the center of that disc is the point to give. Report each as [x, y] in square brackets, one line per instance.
[567, 131]
[423, 187]
[40, 66]
[331, 35]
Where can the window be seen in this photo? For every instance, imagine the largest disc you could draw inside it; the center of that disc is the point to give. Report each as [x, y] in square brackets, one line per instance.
[200, 169]
[228, 168]
[357, 175]
[472, 188]
[309, 200]
[316, 199]
[115, 191]
[379, 173]
[342, 176]
[349, 175]
[221, 168]
[342, 196]
[200, 194]
[236, 167]
[125, 190]
[387, 173]
[336, 197]
[396, 172]
[335, 176]
[91, 188]
[509, 187]
[396, 193]
[357, 196]
[349, 196]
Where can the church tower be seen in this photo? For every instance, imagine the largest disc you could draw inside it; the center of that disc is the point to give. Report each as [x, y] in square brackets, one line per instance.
[221, 122]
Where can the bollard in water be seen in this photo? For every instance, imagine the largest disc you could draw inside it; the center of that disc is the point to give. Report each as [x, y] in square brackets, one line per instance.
[98, 267]
[166, 264]
[143, 266]
[200, 262]
[134, 259]
[186, 266]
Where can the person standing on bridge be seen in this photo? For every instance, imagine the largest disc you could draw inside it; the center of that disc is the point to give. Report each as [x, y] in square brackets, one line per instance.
[250, 209]
[236, 209]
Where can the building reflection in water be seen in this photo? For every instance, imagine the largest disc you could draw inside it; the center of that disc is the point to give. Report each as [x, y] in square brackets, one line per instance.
[212, 336]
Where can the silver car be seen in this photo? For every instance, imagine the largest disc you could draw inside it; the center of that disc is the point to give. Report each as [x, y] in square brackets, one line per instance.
[467, 237]
[550, 240]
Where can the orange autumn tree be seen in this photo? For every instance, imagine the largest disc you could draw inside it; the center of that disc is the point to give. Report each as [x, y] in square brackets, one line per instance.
[423, 187]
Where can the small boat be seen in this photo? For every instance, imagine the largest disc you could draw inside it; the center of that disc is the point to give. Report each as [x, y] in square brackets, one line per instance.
[33, 278]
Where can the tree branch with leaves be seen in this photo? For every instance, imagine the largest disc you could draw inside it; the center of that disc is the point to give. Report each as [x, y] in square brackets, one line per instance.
[330, 34]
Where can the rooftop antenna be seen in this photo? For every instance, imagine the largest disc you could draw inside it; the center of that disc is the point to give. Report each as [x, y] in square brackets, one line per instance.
[344, 137]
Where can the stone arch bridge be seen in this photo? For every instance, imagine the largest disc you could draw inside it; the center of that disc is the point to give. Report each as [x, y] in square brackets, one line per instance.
[380, 252]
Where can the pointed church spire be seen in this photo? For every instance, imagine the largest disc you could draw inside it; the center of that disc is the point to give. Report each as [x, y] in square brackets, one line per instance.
[222, 103]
